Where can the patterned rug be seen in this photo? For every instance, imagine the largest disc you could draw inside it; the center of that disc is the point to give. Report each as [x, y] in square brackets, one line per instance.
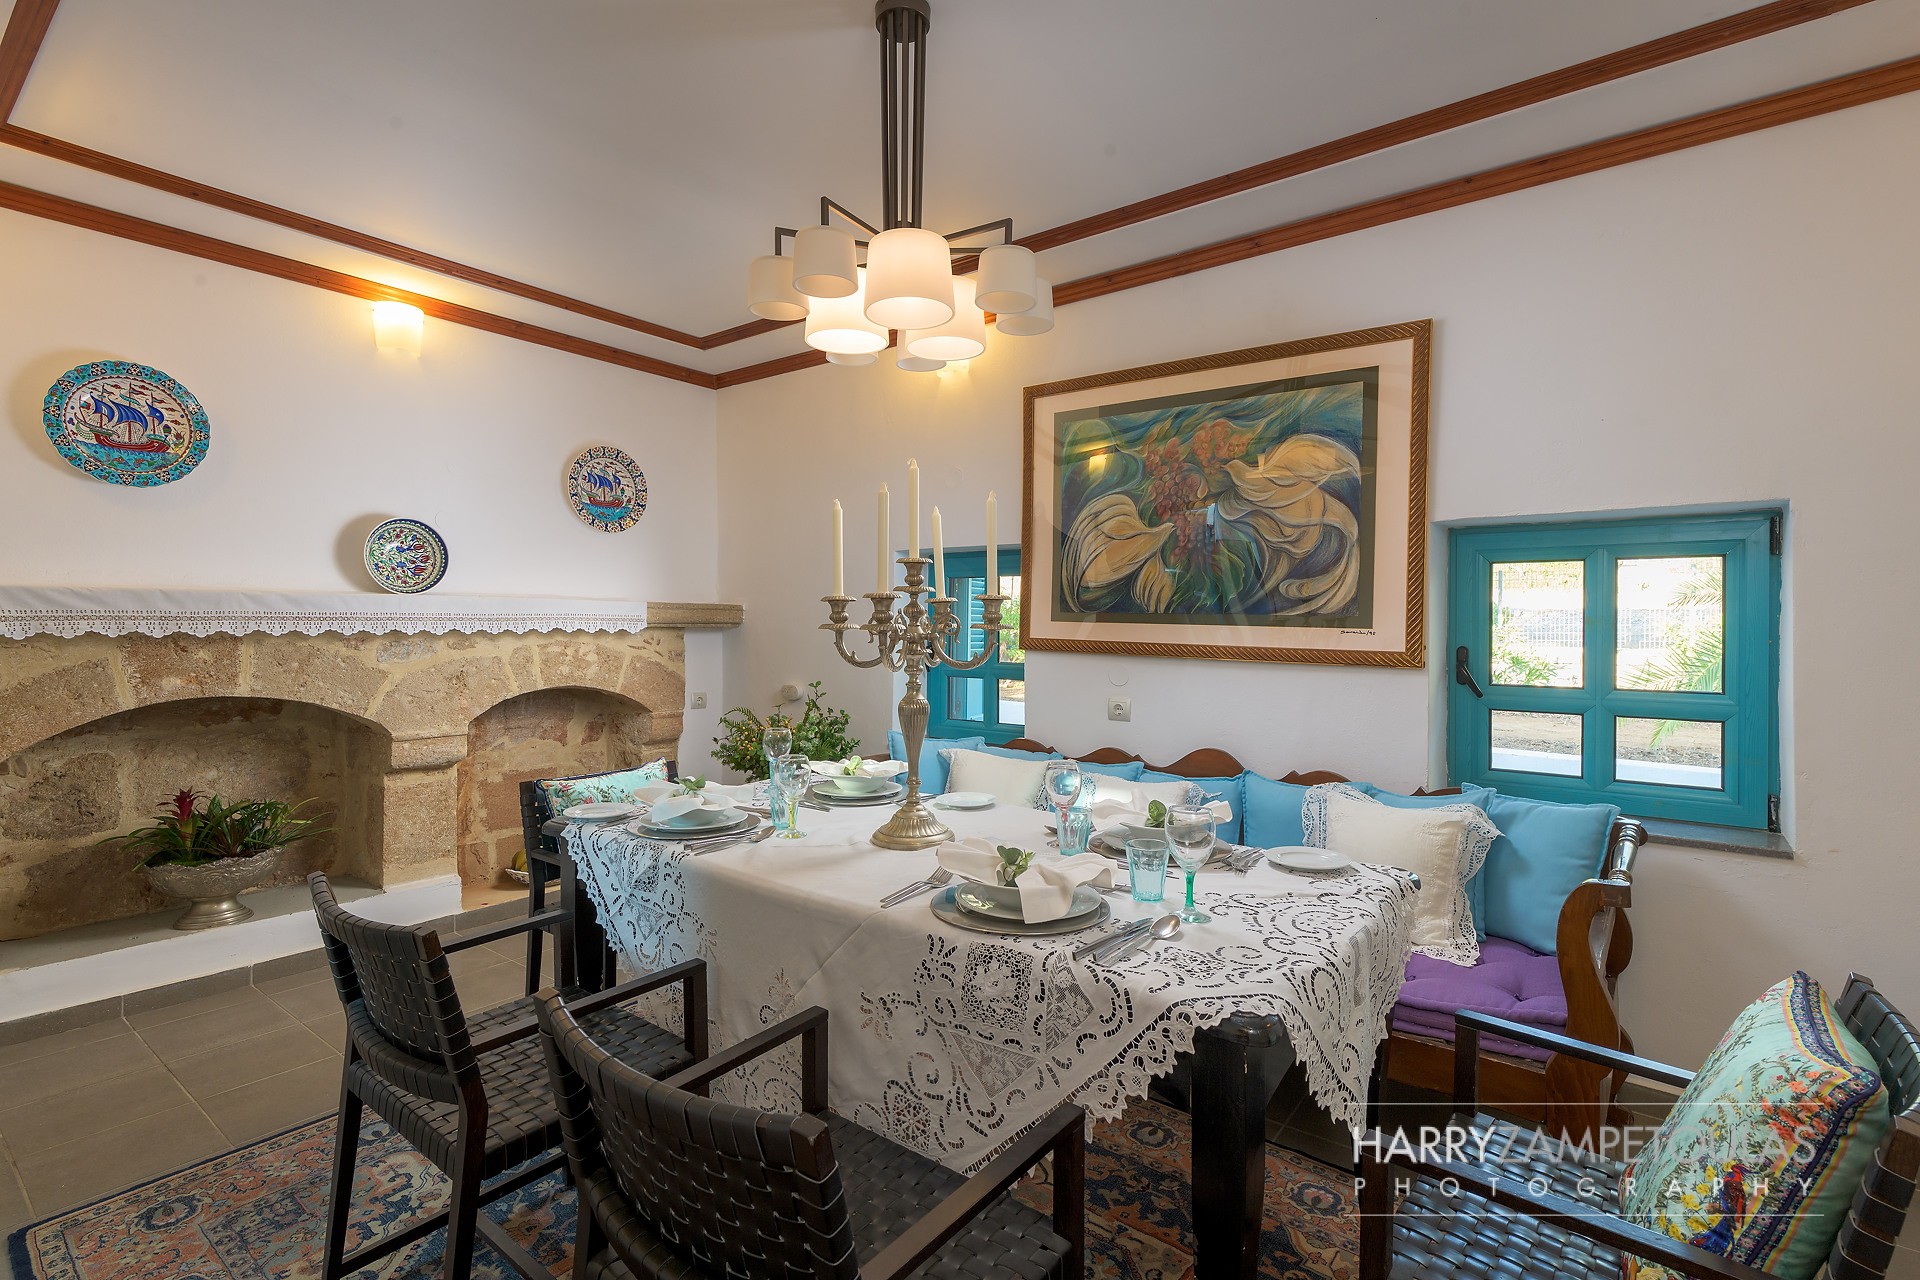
[257, 1213]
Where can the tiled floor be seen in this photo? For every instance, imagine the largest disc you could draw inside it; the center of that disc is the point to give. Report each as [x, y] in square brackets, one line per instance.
[88, 1111]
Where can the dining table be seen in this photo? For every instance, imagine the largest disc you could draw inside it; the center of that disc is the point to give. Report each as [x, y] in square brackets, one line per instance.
[953, 1039]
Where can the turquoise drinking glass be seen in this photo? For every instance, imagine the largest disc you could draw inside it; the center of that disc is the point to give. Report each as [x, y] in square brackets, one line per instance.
[1147, 866]
[791, 774]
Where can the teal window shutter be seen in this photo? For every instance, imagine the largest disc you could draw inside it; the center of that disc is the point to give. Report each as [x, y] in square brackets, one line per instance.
[990, 700]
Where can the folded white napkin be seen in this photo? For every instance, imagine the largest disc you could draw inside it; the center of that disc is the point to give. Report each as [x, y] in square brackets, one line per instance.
[856, 768]
[668, 808]
[1046, 886]
[1106, 812]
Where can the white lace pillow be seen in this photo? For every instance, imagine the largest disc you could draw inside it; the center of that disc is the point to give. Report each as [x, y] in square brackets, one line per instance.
[1012, 780]
[1098, 786]
[1444, 846]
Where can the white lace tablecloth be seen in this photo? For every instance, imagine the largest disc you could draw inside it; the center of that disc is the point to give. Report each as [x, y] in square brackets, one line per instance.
[955, 1042]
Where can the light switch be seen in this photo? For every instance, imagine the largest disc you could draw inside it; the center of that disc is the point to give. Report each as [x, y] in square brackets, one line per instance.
[1119, 708]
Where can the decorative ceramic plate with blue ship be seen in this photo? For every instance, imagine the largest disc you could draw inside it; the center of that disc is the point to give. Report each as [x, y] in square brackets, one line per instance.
[125, 423]
[606, 488]
[406, 556]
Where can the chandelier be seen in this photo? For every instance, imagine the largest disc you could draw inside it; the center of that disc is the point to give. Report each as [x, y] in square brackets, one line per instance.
[906, 281]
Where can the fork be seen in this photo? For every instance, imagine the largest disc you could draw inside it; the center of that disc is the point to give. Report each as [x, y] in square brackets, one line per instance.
[940, 877]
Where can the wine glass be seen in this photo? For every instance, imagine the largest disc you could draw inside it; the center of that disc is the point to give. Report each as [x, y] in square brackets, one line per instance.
[791, 774]
[1190, 836]
[1063, 784]
[776, 740]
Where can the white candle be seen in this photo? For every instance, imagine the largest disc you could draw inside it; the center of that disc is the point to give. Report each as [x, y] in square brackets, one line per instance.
[839, 551]
[939, 558]
[913, 508]
[883, 573]
[993, 544]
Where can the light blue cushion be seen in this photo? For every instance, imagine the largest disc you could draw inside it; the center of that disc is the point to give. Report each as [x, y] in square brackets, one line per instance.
[1544, 851]
[1480, 798]
[933, 766]
[1273, 811]
[992, 750]
[1227, 789]
[1128, 772]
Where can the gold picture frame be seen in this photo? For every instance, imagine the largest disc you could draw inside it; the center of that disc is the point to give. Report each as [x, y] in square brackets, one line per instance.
[1262, 505]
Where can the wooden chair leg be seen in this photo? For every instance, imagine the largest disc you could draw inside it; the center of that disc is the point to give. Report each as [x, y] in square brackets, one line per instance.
[464, 1206]
[588, 1239]
[536, 902]
[1376, 1219]
[346, 1144]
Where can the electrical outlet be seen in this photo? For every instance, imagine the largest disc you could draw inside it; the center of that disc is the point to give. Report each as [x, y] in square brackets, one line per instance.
[1119, 708]
[698, 702]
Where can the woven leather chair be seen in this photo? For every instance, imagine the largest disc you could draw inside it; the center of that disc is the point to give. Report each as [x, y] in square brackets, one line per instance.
[471, 1094]
[674, 1186]
[544, 868]
[1500, 1224]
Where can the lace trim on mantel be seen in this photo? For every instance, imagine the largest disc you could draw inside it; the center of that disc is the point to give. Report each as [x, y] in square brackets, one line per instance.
[69, 612]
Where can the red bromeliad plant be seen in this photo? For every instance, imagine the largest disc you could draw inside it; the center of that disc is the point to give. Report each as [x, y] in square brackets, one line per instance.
[193, 830]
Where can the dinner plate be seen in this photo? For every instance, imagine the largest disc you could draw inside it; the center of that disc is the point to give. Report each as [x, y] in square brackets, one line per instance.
[745, 822]
[599, 811]
[1300, 857]
[829, 797]
[969, 899]
[965, 800]
[946, 909]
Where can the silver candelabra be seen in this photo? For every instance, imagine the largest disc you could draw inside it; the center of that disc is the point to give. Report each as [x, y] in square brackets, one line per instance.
[913, 640]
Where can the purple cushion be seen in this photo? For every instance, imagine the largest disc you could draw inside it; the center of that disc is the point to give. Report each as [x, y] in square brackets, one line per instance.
[1511, 981]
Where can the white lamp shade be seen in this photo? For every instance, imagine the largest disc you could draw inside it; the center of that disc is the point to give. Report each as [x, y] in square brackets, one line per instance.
[823, 260]
[839, 326]
[905, 359]
[397, 328]
[1036, 319]
[868, 357]
[961, 338]
[770, 291]
[909, 279]
[1006, 279]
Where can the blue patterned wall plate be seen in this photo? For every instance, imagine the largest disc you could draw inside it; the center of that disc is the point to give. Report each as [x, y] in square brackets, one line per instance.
[406, 556]
[125, 423]
[606, 488]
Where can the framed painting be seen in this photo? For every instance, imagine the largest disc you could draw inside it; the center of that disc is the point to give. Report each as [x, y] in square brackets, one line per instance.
[1267, 505]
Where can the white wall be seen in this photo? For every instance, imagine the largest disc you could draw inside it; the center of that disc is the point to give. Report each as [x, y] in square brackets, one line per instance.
[316, 437]
[1732, 324]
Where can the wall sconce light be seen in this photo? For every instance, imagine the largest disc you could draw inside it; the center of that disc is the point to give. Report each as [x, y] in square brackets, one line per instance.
[397, 327]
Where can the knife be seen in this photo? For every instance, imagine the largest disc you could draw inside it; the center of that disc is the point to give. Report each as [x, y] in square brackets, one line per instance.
[1082, 951]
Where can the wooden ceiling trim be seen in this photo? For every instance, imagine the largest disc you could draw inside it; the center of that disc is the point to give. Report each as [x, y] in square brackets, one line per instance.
[1856, 89]
[1694, 41]
[26, 28]
[1888, 80]
[127, 227]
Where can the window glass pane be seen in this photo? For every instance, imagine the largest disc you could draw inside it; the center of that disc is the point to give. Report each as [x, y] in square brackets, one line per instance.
[966, 698]
[1537, 742]
[1538, 623]
[1674, 753]
[1013, 702]
[1672, 624]
[1010, 650]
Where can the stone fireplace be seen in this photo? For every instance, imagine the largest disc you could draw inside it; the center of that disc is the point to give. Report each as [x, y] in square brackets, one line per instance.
[415, 744]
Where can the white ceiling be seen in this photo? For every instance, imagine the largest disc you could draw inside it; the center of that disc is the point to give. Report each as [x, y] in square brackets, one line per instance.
[636, 153]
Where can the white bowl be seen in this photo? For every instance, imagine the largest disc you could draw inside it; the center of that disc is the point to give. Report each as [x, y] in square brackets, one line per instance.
[854, 787]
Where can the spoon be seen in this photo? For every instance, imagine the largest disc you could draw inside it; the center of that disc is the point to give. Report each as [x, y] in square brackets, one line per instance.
[1163, 927]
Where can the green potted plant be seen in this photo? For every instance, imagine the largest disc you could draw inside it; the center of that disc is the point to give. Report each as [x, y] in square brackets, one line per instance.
[819, 733]
[208, 851]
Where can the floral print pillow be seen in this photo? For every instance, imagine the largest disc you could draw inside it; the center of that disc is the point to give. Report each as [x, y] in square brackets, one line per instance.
[564, 793]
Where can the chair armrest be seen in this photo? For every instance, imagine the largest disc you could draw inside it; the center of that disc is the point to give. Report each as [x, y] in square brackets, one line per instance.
[809, 1024]
[551, 918]
[1623, 847]
[1580, 1219]
[1062, 1132]
[1467, 1027]
[693, 999]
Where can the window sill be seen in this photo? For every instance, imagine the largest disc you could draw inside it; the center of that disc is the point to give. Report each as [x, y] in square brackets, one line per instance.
[1701, 835]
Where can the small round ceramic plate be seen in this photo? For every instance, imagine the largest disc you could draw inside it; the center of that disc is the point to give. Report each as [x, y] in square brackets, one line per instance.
[599, 811]
[606, 488]
[970, 898]
[965, 800]
[125, 423]
[1302, 857]
[406, 556]
[945, 908]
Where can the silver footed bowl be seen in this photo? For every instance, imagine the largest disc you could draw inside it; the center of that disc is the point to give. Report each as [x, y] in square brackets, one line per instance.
[213, 890]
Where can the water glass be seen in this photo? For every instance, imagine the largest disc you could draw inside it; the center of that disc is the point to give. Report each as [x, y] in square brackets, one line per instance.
[1076, 831]
[1147, 865]
[791, 777]
[776, 740]
[1063, 784]
[1190, 833]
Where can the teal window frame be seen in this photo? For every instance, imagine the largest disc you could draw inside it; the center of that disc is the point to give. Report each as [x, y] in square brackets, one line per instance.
[1747, 707]
[963, 568]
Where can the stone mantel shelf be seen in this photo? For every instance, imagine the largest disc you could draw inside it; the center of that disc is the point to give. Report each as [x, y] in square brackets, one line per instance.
[73, 611]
